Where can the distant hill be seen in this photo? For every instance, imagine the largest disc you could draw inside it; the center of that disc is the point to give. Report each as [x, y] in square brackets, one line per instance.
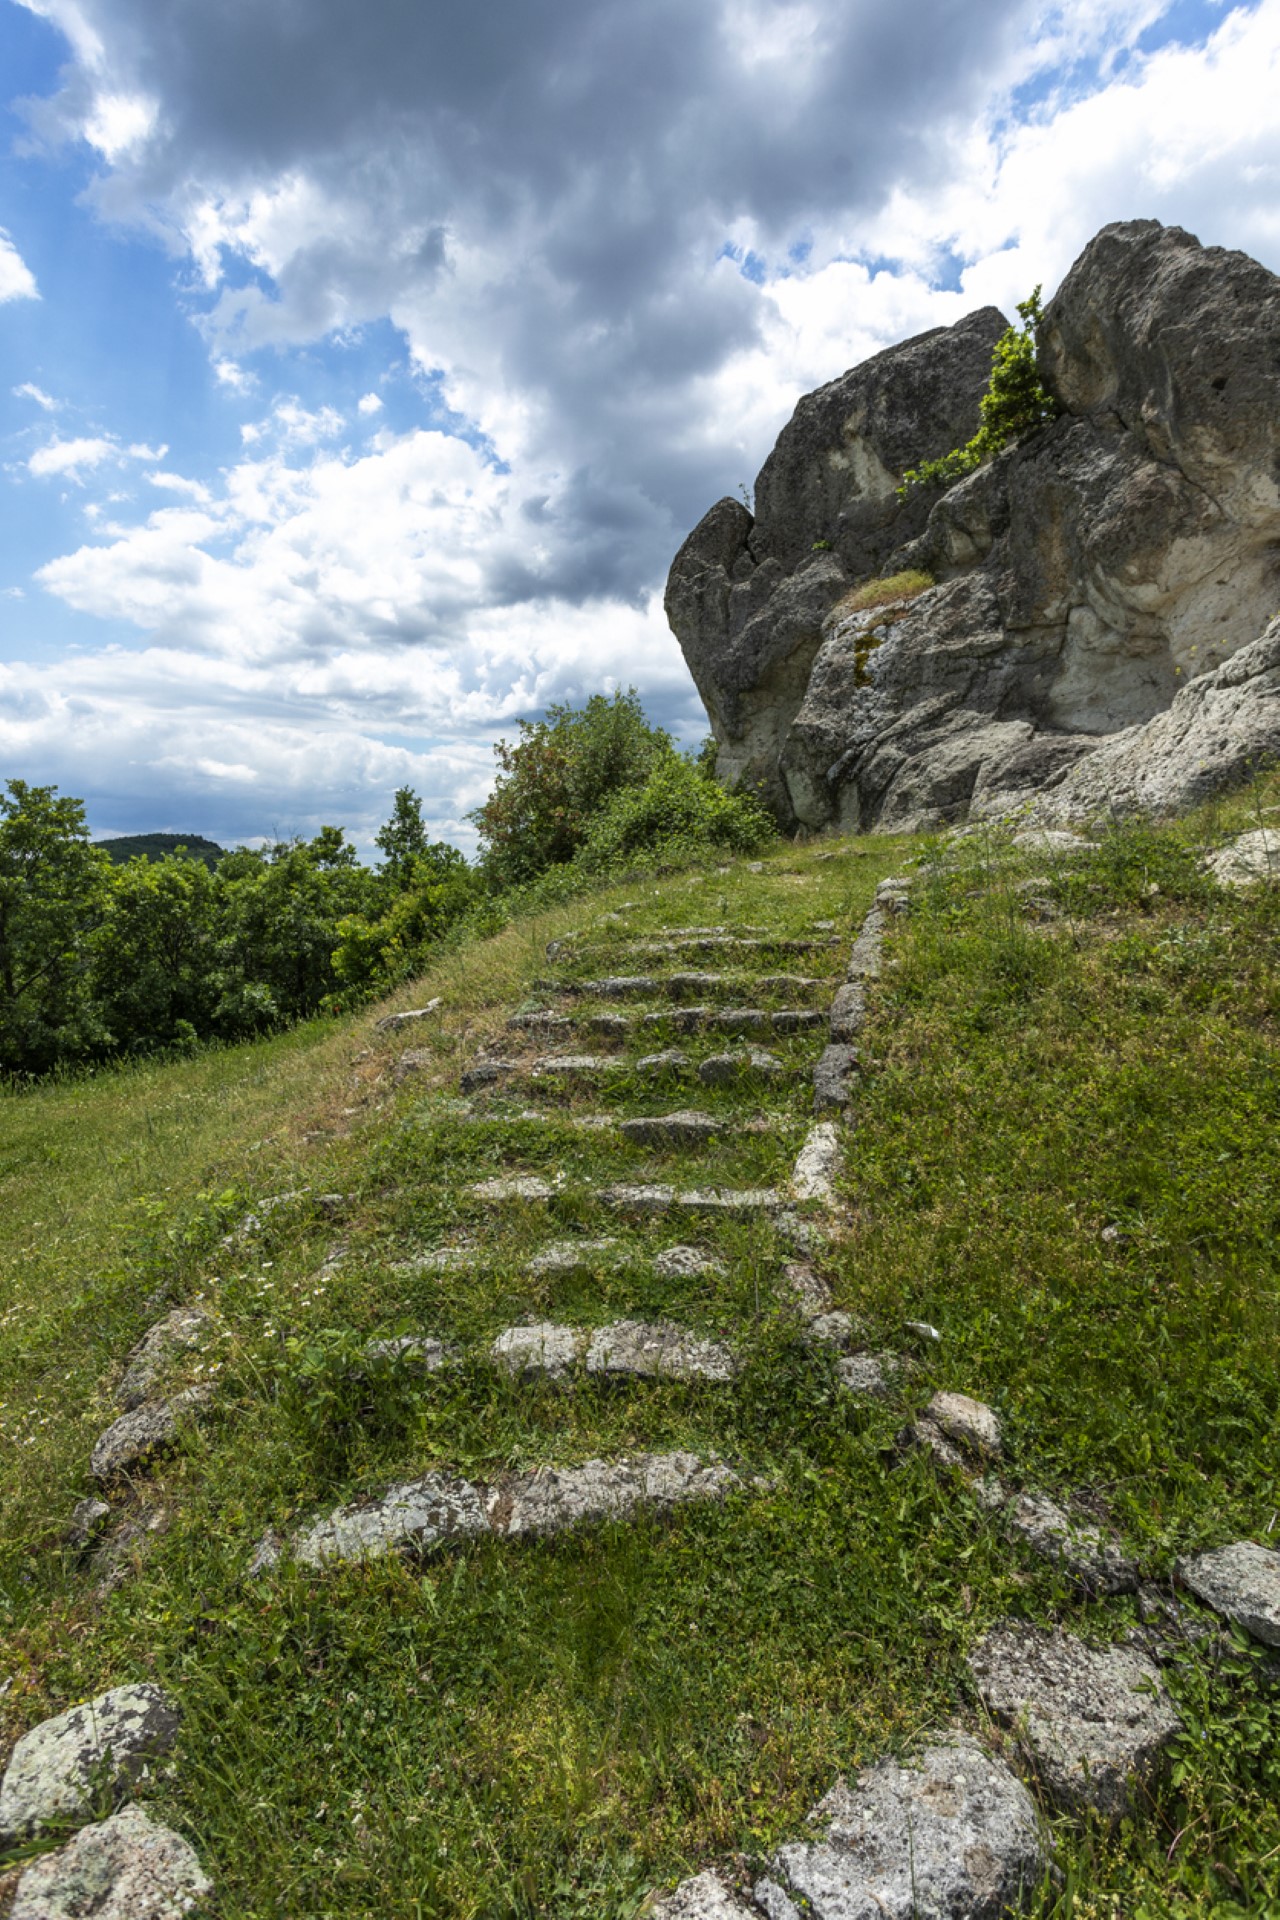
[155, 846]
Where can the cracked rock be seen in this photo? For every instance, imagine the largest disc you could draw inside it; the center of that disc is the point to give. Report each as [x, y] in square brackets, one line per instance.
[971, 1424]
[818, 1164]
[543, 1348]
[660, 1350]
[146, 1430]
[63, 1769]
[1080, 1549]
[413, 1516]
[952, 1835]
[126, 1868]
[1089, 1721]
[178, 1332]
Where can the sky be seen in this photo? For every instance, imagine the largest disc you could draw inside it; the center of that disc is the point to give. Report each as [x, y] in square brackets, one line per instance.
[363, 368]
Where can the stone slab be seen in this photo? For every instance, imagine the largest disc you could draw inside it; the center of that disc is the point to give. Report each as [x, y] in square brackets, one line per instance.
[178, 1332]
[543, 1348]
[818, 1164]
[1242, 1582]
[658, 1350]
[136, 1435]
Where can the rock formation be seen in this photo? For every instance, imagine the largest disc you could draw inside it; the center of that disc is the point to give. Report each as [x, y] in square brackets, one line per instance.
[1092, 636]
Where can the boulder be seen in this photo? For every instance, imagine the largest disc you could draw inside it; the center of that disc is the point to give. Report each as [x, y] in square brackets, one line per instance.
[1092, 636]
[126, 1868]
[65, 1768]
[131, 1440]
[1242, 1582]
[180, 1330]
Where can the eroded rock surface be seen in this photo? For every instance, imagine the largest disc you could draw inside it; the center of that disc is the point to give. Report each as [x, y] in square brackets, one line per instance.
[1090, 1721]
[1092, 636]
[126, 1868]
[62, 1769]
[1242, 1582]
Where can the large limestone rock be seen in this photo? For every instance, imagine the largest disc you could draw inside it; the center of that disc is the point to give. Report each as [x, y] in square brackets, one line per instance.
[126, 1868]
[1092, 639]
[64, 1767]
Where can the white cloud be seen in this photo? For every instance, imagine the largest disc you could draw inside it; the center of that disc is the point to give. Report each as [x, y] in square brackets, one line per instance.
[369, 403]
[229, 373]
[74, 457]
[17, 282]
[29, 391]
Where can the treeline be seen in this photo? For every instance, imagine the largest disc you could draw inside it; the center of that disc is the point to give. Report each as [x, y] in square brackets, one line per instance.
[102, 961]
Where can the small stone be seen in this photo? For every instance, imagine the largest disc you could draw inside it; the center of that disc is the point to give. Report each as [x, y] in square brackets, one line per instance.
[788, 983]
[562, 1064]
[729, 1200]
[146, 1430]
[487, 1073]
[869, 1373]
[683, 1019]
[553, 1499]
[411, 1351]
[629, 986]
[658, 1350]
[818, 1164]
[1090, 1721]
[670, 1060]
[833, 1077]
[63, 1769]
[952, 1835]
[797, 1019]
[742, 1020]
[126, 1868]
[412, 1516]
[572, 1256]
[412, 1060]
[835, 1329]
[704, 1898]
[392, 1022]
[970, 1423]
[680, 985]
[923, 1331]
[608, 1026]
[184, 1328]
[638, 1197]
[88, 1518]
[1250, 858]
[520, 1186]
[728, 1069]
[848, 1011]
[686, 1263]
[686, 1128]
[807, 1288]
[1241, 1582]
[539, 1023]
[543, 1348]
[1076, 1546]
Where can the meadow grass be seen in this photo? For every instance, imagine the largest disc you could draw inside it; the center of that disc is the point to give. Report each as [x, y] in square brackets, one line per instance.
[558, 1727]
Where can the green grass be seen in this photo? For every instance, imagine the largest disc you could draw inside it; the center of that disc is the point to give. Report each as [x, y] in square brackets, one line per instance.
[556, 1728]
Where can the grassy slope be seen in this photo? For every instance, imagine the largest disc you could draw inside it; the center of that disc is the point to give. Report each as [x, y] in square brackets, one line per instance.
[553, 1729]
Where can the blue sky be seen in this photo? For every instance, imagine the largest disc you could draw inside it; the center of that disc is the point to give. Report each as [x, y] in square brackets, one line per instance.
[363, 369]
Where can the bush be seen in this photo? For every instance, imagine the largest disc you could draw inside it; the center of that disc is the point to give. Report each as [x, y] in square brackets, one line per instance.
[1014, 403]
[675, 813]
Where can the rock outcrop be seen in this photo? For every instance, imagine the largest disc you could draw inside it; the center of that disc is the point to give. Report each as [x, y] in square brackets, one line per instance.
[1092, 636]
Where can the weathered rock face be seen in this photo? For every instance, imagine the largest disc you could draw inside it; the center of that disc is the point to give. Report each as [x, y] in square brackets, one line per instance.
[1093, 636]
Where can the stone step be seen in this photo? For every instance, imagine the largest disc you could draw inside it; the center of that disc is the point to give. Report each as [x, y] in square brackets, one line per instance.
[655, 1197]
[738, 1066]
[570, 1257]
[683, 1019]
[651, 1350]
[440, 1509]
[679, 986]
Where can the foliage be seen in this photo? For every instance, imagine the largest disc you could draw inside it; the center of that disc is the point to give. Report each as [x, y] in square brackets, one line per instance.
[884, 590]
[1014, 404]
[555, 778]
[677, 811]
[402, 838]
[53, 892]
[438, 888]
[123, 847]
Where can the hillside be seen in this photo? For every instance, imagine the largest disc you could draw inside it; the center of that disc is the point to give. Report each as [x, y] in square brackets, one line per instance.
[679, 1531]
[155, 846]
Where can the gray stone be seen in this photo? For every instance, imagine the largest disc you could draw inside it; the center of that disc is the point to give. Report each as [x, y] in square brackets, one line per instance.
[1096, 583]
[730, 1069]
[741, 1020]
[670, 1060]
[679, 985]
[553, 1499]
[686, 1128]
[1094, 1563]
[571, 1065]
[543, 1348]
[706, 1897]
[608, 1026]
[394, 1022]
[686, 1263]
[922, 1330]
[539, 1022]
[518, 1186]
[834, 1076]
[652, 1197]
[658, 1350]
[572, 1256]
[413, 1352]
[951, 1835]
[1242, 1582]
[869, 1373]
[834, 1328]
[788, 983]
[617, 987]
[1089, 1721]
[146, 1430]
[184, 1328]
[808, 1289]
[487, 1073]
[818, 1164]
[126, 1868]
[683, 1019]
[412, 1060]
[413, 1516]
[796, 1020]
[971, 1424]
[1248, 859]
[68, 1767]
[88, 1518]
[849, 1011]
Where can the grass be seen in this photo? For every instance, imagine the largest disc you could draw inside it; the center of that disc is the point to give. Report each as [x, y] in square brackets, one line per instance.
[559, 1727]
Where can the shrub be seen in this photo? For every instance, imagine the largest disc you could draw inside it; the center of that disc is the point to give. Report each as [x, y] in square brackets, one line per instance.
[677, 811]
[1014, 403]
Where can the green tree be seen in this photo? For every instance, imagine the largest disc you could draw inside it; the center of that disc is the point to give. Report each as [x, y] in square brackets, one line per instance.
[153, 972]
[53, 893]
[374, 952]
[278, 913]
[554, 779]
[678, 810]
[1014, 404]
[402, 839]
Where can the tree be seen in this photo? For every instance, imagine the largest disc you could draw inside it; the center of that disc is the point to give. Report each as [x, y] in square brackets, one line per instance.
[1015, 403]
[153, 972]
[553, 781]
[278, 913]
[402, 839]
[374, 953]
[53, 893]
